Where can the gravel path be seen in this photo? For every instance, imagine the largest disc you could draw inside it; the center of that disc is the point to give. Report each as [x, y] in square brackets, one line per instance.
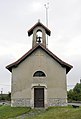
[31, 114]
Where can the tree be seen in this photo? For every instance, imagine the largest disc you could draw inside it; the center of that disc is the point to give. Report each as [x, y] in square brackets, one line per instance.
[75, 93]
[9, 96]
[6, 97]
[77, 88]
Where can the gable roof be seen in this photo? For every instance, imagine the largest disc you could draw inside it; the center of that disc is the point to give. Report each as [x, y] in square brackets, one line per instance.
[30, 31]
[62, 63]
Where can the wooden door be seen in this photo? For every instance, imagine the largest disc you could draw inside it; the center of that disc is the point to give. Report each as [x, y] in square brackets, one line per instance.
[38, 97]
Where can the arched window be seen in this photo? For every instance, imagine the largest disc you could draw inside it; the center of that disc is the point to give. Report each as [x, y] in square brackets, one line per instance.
[39, 74]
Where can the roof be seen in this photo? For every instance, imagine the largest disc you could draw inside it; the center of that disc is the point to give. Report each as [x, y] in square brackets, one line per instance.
[62, 63]
[30, 32]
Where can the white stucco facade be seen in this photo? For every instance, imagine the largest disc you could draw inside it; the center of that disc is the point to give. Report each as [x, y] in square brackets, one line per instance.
[23, 82]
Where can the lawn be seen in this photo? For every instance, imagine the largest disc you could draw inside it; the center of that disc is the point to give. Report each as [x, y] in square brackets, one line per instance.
[60, 113]
[8, 111]
[51, 113]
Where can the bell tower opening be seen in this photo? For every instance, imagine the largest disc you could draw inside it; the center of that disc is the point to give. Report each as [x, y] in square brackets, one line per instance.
[39, 37]
[39, 32]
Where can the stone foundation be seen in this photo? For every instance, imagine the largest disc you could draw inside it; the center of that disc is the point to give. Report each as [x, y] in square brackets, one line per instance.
[20, 102]
[57, 102]
[28, 103]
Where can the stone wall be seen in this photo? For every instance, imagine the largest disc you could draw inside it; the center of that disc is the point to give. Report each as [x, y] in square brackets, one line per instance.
[57, 102]
[27, 102]
[20, 102]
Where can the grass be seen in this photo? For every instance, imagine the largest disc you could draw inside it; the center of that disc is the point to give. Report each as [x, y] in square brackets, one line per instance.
[51, 113]
[9, 112]
[60, 113]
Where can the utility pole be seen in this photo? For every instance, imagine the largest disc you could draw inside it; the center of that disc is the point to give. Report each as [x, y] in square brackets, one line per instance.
[46, 7]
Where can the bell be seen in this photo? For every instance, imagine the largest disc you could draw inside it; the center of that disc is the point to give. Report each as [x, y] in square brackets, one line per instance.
[38, 39]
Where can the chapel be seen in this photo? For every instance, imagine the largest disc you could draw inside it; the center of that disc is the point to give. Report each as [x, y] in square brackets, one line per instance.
[39, 76]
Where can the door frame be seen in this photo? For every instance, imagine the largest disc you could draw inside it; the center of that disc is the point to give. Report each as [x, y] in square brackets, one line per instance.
[38, 98]
[32, 94]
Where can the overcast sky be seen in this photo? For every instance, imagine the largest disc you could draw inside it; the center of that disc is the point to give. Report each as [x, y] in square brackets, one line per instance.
[64, 21]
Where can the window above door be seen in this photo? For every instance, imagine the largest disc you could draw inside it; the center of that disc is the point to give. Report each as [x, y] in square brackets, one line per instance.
[39, 74]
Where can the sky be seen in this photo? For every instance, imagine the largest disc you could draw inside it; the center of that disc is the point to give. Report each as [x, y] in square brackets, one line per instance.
[64, 21]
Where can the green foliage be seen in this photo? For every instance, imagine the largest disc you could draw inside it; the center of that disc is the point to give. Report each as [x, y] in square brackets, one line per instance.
[75, 94]
[77, 88]
[59, 113]
[6, 97]
[51, 113]
[8, 112]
